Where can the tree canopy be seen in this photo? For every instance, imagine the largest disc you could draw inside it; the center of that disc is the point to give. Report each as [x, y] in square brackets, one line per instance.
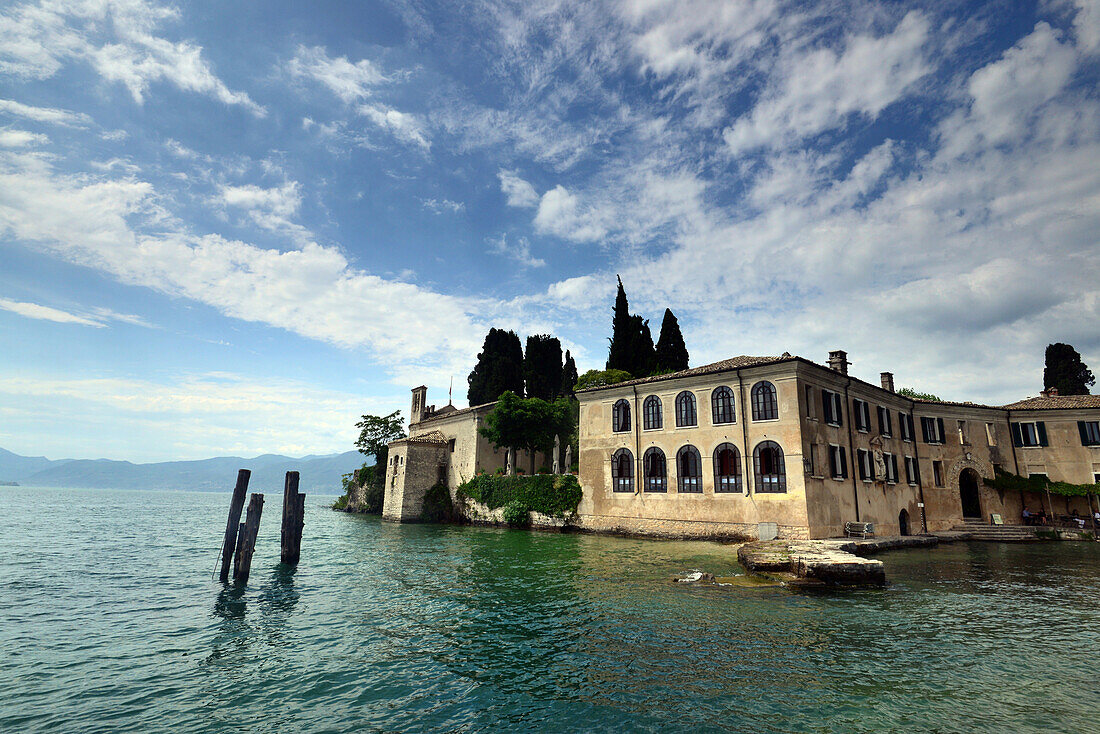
[568, 376]
[375, 431]
[1066, 372]
[909, 392]
[631, 348]
[499, 368]
[542, 368]
[528, 423]
[599, 378]
[672, 353]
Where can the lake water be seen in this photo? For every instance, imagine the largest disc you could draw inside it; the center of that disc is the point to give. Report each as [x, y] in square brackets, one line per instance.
[109, 622]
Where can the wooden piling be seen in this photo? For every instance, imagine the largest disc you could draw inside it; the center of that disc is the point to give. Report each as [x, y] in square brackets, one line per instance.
[294, 505]
[246, 539]
[236, 505]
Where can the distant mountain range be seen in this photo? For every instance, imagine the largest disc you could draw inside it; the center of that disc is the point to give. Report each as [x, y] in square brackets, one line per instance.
[318, 473]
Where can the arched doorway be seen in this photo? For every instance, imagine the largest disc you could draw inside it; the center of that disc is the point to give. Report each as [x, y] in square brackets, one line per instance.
[968, 493]
[903, 522]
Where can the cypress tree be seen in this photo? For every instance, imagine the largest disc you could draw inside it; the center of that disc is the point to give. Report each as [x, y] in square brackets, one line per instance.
[672, 353]
[619, 353]
[499, 367]
[542, 368]
[1066, 372]
[643, 356]
[569, 376]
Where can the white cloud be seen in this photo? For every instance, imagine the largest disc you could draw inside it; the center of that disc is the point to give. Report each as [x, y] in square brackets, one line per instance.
[817, 90]
[44, 114]
[117, 39]
[46, 313]
[349, 81]
[518, 250]
[10, 138]
[560, 214]
[1086, 25]
[439, 206]
[402, 125]
[518, 192]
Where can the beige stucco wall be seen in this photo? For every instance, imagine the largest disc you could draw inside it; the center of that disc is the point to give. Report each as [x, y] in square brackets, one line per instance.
[816, 505]
[413, 468]
[707, 513]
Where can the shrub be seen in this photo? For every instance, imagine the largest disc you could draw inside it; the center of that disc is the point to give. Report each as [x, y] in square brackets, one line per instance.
[551, 494]
[437, 505]
[341, 503]
[599, 378]
[516, 513]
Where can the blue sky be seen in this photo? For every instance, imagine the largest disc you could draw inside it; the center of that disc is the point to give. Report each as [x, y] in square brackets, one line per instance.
[234, 227]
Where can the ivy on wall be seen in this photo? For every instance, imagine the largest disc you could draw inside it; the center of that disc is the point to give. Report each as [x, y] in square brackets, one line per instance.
[1009, 481]
[556, 495]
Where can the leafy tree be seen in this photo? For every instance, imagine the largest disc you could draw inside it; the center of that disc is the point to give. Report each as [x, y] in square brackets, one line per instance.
[1066, 372]
[631, 348]
[375, 432]
[528, 424]
[499, 367]
[599, 378]
[619, 353]
[911, 393]
[672, 353]
[542, 368]
[568, 376]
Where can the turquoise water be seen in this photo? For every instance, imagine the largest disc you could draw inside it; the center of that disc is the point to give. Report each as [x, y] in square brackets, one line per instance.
[109, 622]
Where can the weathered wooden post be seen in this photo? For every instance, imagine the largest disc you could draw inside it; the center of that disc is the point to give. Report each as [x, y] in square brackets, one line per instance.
[246, 539]
[294, 506]
[229, 543]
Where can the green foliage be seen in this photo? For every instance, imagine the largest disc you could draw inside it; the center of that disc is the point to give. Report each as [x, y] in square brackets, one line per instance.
[499, 368]
[911, 393]
[341, 503]
[631, 347]
[599, 378]
[370, 478]
[376, 431]
[542, 368]
[529, 424]
[1065, 371]
[568, 376]
[672, 353]
[1009, 481]
[556, 495]
[516, 513]
[437, 505]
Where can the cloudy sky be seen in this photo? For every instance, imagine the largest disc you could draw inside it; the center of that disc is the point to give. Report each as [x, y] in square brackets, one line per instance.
[234, 227]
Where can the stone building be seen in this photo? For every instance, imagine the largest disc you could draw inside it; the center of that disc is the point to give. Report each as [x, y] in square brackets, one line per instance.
[443, 446]
[755, 445]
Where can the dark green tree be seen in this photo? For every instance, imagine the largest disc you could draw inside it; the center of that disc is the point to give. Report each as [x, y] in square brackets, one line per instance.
[672, 353]
[499, 367]
[643, 355]
[619, 353]
[529, 424]
[599, 378]
[1066, 372]
[569, 376]
[375, 432]
[631, 348]
[542, 368]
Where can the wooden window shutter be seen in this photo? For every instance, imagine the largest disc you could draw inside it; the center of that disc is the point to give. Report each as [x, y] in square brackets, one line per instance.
[1017, 435]
[1041, 429]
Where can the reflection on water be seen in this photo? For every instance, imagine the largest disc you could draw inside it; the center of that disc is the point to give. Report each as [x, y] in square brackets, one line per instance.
[405, 628]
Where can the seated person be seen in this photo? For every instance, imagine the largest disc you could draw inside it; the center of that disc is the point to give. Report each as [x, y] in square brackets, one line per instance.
[1026, 515]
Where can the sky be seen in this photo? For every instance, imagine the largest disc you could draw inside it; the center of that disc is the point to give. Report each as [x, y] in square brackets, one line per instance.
[233, 228]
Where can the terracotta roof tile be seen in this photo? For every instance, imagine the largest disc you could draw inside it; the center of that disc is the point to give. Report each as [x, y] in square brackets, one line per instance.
[1054, 402]
[708, 369]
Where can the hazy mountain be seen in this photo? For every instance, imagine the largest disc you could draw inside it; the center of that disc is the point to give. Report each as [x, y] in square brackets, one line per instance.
[318, 473]
[14, 467]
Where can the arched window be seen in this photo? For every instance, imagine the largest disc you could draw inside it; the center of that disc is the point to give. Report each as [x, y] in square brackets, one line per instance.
[622, 471]
[764, 405]
[685, 409]
[727, 468]
[655, 470]
[620, 416]
[689, 470]
[721, 406]
[767, 459]
[651, 410]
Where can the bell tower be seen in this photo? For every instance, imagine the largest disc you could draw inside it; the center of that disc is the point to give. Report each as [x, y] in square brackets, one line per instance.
[420, 396]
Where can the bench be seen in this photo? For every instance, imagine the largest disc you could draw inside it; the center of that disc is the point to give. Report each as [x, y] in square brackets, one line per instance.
[860, 529]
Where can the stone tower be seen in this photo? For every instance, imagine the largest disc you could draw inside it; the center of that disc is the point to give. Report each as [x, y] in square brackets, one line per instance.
[420, 396]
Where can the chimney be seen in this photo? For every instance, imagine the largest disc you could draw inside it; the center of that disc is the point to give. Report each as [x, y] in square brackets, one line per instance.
[838, 361]
[1050, 392]
[887, 380]
[417, 413]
